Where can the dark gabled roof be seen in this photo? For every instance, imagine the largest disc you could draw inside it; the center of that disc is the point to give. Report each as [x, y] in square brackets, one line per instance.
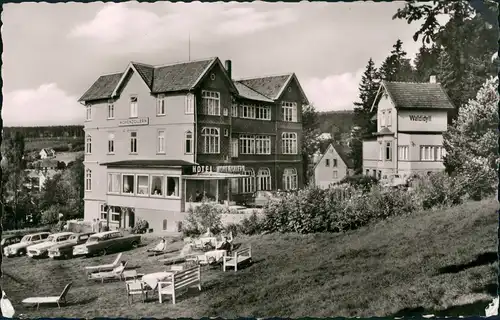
[145, 71]
[148, 164]
[344, 154]
[248, 93]
[103, 88]
[271, 86]
[180, 76]
[409, 95]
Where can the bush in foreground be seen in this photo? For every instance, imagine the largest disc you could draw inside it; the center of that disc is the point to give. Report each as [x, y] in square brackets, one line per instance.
[203, 217]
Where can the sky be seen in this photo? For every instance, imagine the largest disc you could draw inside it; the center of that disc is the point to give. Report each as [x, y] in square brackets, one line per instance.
[54, 52]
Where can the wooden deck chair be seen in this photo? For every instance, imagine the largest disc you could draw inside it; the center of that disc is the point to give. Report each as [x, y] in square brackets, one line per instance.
[136, 287]
[50, 300]
[105, 267]
[116, 273]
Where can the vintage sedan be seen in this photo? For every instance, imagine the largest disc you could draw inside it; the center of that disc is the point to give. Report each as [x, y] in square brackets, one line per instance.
[105, 242]
[8, 240]
[64, 250]
[19, 249]
[40, 250]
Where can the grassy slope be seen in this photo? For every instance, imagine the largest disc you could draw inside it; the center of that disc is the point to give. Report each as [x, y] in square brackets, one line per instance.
[378, 270]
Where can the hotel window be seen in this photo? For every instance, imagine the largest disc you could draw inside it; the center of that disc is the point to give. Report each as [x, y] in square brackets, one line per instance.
[189, 104]
[88, 180]
[133, 107]
[388, 151]
[157, 186]
[289, 142]
[264, 179]
[247, 144]
[113, 182]
[234, 148]
[248, 183]
[142, 185]
[111, 143]
[335, 174]
[111, 110]
[165, 224]
[88, 144]
[234, 110]
[234, 185]
[247, 112]
[160, 105]
[188, 146]
[403, 152]
[172, 186]
[431, 153]
[289, 111]
[128, 184]
[263, 145]
[382, 119]
[104, 212]
[211, 103]
[133, 142]
[160, 142]
[211, 140]
[334, 163]
[263, 113]
[389, 118]
[88, 112]
[327, 162]
[290, 179]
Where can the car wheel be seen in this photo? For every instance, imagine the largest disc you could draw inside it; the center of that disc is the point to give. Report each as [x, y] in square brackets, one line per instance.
[135, 244]
[102, 252]
[21, 253]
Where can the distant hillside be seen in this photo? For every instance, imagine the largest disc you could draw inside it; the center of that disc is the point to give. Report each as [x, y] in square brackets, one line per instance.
[47, 132]
[336, 121]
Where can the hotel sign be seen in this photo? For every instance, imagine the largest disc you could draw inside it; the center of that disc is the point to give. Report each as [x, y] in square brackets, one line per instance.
[420, 118]
[134, 122]
[220, 169]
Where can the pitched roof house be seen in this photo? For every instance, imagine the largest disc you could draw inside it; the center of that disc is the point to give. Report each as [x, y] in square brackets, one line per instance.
[333, 166]
[47, 153]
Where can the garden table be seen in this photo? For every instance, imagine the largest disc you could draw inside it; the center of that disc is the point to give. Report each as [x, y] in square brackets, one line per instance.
[152, 279]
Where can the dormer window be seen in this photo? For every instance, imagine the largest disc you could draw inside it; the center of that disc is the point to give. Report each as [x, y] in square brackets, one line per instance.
[382, 119]
[160, 105]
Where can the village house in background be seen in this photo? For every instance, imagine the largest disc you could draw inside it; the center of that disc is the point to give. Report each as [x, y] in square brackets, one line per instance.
[47, 153]
[411, 119]
[332, 166]
[158, 138]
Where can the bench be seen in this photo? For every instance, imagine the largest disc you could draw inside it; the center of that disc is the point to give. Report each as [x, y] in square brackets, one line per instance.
[237, 257]
[180, 280]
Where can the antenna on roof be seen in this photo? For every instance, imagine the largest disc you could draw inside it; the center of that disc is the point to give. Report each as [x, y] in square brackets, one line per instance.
[189, 46]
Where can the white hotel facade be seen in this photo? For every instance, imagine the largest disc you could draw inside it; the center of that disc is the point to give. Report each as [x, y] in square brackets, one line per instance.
[411, 119]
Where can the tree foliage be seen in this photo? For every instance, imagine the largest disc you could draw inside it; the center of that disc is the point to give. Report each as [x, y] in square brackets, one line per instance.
[396, 67]
[310, 141]
[471, 142]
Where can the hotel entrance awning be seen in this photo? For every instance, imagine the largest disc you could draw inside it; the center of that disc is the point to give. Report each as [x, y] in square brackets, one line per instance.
[213, 176]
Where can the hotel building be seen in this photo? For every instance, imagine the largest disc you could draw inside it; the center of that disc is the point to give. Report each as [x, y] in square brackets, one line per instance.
[156, 137]
[411, 119]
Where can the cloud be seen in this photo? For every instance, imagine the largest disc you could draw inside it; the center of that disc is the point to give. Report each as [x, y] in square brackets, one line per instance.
[141, 29]
[46, 105]
[334, 92]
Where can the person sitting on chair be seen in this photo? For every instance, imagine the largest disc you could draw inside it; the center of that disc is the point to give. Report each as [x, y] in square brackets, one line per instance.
[225, 245]
[159, 247]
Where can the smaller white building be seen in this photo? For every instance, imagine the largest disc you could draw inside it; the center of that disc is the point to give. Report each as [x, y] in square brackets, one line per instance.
[47, 153]
[411, 119]
[333, 166]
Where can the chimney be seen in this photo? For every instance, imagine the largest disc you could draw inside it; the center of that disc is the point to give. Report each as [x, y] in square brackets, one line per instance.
[229, 69]
[432, 79]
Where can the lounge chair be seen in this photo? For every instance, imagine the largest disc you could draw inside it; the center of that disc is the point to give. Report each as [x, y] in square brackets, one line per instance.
[49, 300]
[116, 273]
[104, 267]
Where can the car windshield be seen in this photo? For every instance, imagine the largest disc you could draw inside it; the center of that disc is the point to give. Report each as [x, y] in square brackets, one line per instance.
[93, 240]
[51, 239]
[73, 237]
[26, 239]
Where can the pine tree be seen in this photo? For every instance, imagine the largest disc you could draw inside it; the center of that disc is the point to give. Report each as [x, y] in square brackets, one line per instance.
[427, 63]
[396, 67]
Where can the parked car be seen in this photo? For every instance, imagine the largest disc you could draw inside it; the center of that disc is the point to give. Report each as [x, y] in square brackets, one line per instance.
[19, 249]
[8, 240]
[40, 250]
[65, 249]
[262, 198]
[105, 242]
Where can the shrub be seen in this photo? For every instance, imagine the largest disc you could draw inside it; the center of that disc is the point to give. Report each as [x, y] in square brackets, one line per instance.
[141, 226]
[58, 227]
[439, 190]
[51, 215]
[203, 217]
[232, 228]
[360, 181]
[250, 225]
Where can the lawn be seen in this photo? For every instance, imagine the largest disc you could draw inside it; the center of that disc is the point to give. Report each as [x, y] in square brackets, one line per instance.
[441, 262]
